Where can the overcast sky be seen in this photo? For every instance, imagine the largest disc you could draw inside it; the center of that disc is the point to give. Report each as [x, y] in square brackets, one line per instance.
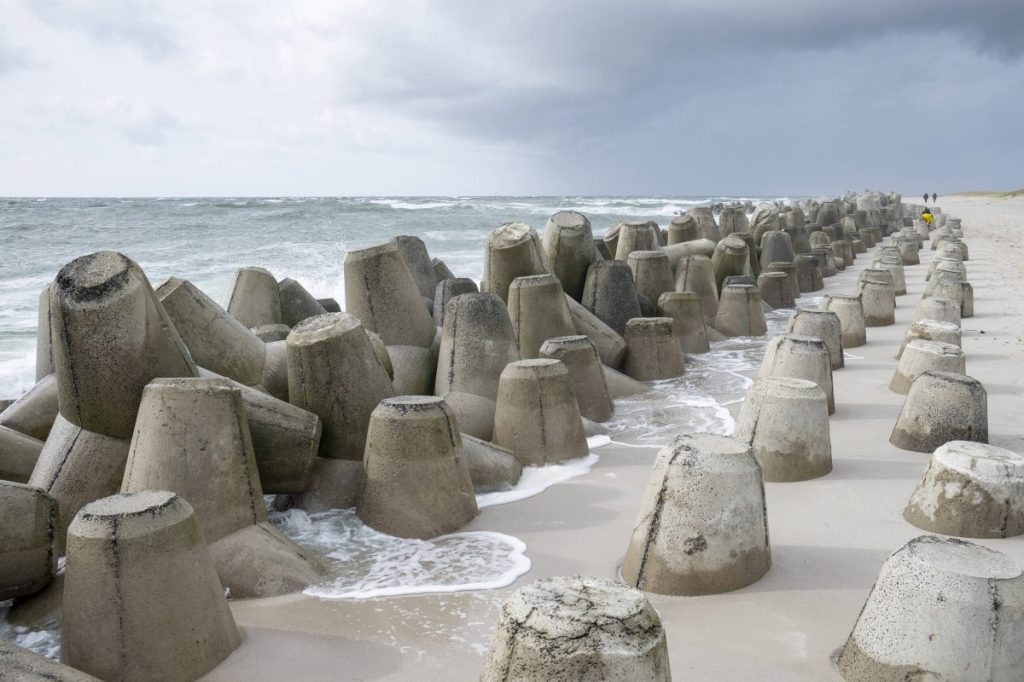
[357, 97]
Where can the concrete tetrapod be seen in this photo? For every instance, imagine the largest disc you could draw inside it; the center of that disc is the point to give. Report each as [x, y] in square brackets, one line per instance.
[441, 270]
[610, 294]
[785, 421]
[851, 317]
[898, 274]
[28, 524]
[636, 236]
[417, 482]
[790, 271]
[776, 247]
[821, 324]
[414, 252]
[381, 293]
[565, 629]
[446, 290]
[538, 311]
[218, 341]
[878, 300]
[687, 318]
[334, 373]
[21, 665]
[730, 258]
[941, 407]
[492, 468]
[931, 330]
[269, 333]
[44, 351]
[740, 312]
[707, 228]
[776, 290]
[826, 261]
[653, 350]
[296, 303]
[683, 228]
[255, 298]
[941, 609]
[702, 527]
[537, 416]
[413, 369]
[477, 342]
[652, 273]
[808, 274]
[971, 490]
[800, 357]
[921, 356]
[941, 309]
[192, 437]
[696, 274]
[610, 344]
[569, 244]
[580, 357]
[141, 597]
[33, 414]
[18, 455]
[512, 250]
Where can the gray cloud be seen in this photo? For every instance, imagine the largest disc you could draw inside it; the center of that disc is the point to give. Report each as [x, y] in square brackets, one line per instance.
[11, 58]
[136, 23]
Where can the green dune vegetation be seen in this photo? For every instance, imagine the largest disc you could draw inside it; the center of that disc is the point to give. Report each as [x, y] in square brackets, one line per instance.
[988, 193]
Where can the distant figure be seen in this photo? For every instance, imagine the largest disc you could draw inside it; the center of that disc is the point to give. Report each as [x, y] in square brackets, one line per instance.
[926, 197]
[935, 197]
[926, 215]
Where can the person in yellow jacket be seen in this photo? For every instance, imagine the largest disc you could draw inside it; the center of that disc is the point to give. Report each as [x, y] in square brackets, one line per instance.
[926, 216]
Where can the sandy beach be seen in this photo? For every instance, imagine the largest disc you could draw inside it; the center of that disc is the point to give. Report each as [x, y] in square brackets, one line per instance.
[829, 536]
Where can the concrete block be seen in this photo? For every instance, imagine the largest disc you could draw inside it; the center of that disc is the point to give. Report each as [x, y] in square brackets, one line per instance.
[687, 318]
[820, 324]
[269, 333]
[18, 455]
[537, 416]
[474, 413]
[740, 312]
[33, 414]
[569, 245]
[652, 273]
[636, 236]
[940, 309]
[920, 356]
[28, 526]
[785, 421]
[941, 407]
[491, 468]
[330, 305]
[21, 665]
[696, 274]
[850, 312]
[566, 629]
[800, 357]
[931, 330]
[538, 311]
[441, 271]
[446, 290]
[417, 483]
[610, 344]
[702, 527]
[477, 341]
[414, 252]
[730, 258]
[297, 304]
[580, 357]
[776, 247]
[610, 294]
[255, 299]
[512, 250]
[620, 385]
[775, 290]
[44, 350]
[683, 228]
[653, 351]
[808, 275]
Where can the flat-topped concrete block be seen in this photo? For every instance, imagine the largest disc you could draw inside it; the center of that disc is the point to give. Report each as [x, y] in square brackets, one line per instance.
[636, 236]
[334, 373]
[142, 600]
[21, 665]
[538, 311]
[920, 356]
[331, 305]
[790, 271]
[897, 273]
[28, 526]
[565, 629]
[18, 455]
[826, 261]
[512, 250]
[111, 337]
[785, 421]
[621, 385]
[942, 609]
[255, 299]
[850, 312]
[537, 416]
[683, 228]
[414, 370]
[569, 244]
[733, 220]
[824, 325]
[44, 349]
[269, 333]
[610, 344]
[296, 302]
[944, 285]
[696, 274]
[702, 527]
[931, 330]
[446, 290]
[967, 304]
[800, 357]
[474, 413]
[441, 271]
[740, 312]
[878, 299]
[941, 407]
[970, 490]
[652, 349]
[33, 414]
[381, 293]
[477, 341]
[414, 252]
[808, 274]
[652, 273]
[839, 256]
[417, 482]
[730, 258]
[688, 319]
[610, 293]
[941, 309]
[580, 357]
[492, 468]
[707, 228]
[776, 247]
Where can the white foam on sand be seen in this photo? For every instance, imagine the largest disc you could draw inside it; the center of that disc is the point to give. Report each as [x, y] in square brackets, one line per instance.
[368, 564]
[536, 480]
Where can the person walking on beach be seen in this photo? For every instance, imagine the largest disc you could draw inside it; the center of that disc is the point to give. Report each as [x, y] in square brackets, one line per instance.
[935, 197]
[926, 216]
[926, 197]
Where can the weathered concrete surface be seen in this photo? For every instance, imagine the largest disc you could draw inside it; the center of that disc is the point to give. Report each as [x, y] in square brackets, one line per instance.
[18, 455]
[44, 349]
[920, 356]
[537, 417]
[636, 236]
[610, 294]
[297, 304]
[22, 665]
[785, 421]
[474, 413]
[566, 629]
[381, 293]
[142, 600]
[851, 317]
[687, 319]
[652, 273]
[414, 369]
[580, 357]
[740, 312]
[446, 290]
[28, 525]
[414, 252]
[418, 481]
[941, 309]
[800, 357]
[697, 274]
[512, 250]
[653, 350]
[941, 407]
[821, 324]
[538, 310]
[702, 527]
[942, 609]
[491, 467]
[255, 300]
[569, 244]
[477, 341]
[620, 385]
[610, 344]
[334, 373]
[730, 258]
[776, 290]
[931, 330]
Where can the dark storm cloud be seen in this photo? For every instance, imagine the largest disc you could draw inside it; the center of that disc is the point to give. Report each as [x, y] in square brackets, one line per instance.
[135, 23]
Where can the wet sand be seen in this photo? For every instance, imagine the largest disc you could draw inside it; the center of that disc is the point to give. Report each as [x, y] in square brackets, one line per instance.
[829, 536]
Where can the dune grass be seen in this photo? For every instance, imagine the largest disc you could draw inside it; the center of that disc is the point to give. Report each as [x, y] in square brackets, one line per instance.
[996, 195]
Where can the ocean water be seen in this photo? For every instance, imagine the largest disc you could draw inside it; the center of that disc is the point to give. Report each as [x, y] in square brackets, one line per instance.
[205, 240]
